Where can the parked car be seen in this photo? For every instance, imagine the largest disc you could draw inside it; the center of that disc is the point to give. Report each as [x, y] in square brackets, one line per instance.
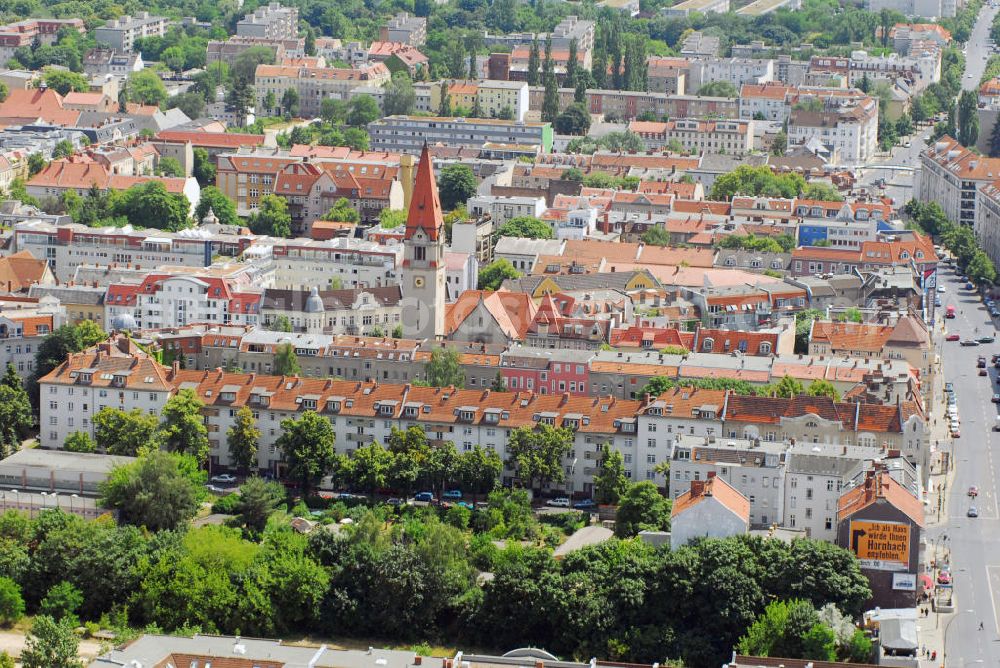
[424, 496]
[586, 504]
[956, 433]
[970, 342]
[986, 339]
[452, 494]
[984, 372]
[224, 478]
[980, 362]
[394, 501]
[973, 491]
[949, 387]
[941, 288]
[952, 337]
[466, 504]
[558, 502]
[944, 577]
[969, 286]
[972, 512]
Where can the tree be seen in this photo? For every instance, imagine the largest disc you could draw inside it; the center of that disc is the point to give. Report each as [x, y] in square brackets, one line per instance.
[203, 170]
[145, 87]
[980, 269]
[574, 120]
[192, 104]
[370, 467]
[994, 150]
[343, 212]
[823, 192]
[399, 97]
[610, 481]
[63, 149]
[150, 205]
[444, 369]
[173, 58]
[492, 276]
[572, 61]
[390, 219]
[160, 490]
[11, 602]
[333, 111]
[258, 499]
[533, 64]
[535, 454]
[642, 507]
[51, 644]
[526, 227]
[79, 441]
[64, 81]
[718, 89]
[271, 218]
[656, 236]
[307, 445]
[286, 362]
[780, 144]
[479, 470]
[290, 102]
[220, 204]
[241, 439]
[788, 387]
[756, 181]
[62, 601]
[120, 433]
[550, 99]
[36, 163]
[456, 185]
[968, 117]
[281, 323]
[362, 110]
[183, 428]
[15, 418]
[823, 388]
[170, 167]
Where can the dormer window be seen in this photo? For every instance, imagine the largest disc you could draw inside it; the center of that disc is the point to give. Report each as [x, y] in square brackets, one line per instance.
[385, 409]
[707, 345]
[333, 405]
[118, 380]
[468, 416]
[411, 411]
[309, 404]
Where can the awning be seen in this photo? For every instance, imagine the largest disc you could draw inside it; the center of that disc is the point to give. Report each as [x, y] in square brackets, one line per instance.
[926, 581]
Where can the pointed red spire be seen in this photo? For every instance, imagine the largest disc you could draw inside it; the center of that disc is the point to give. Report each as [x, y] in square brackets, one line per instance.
[425, 207]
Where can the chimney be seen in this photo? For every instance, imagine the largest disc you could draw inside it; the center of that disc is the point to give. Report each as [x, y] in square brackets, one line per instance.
[417, 660]
[175, 367]
[697, 487]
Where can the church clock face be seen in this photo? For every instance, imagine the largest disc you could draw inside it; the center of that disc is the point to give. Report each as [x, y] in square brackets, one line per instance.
[418, 281]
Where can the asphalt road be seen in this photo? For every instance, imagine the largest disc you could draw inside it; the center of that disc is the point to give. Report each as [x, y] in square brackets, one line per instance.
[974, 542]
[977, 52]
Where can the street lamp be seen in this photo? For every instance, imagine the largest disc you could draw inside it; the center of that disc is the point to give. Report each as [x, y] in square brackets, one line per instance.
[944, 648]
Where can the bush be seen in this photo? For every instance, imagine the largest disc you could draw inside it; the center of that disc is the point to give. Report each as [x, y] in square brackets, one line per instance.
[11, 602]
[62, 600]
[227, 505]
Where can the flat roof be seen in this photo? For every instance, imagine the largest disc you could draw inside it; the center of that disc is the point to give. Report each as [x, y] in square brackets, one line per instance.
[62, 460]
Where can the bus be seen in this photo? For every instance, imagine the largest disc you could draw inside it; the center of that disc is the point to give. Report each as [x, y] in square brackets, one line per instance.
[949, 312]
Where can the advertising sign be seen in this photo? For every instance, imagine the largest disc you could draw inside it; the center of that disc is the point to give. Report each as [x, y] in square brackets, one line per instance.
[904, 581]
[882, 546]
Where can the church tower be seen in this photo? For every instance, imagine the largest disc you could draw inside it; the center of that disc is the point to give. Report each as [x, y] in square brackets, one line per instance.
[423, 258]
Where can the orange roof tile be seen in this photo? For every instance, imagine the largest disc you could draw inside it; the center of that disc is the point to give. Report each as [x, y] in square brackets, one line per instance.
[714, 488]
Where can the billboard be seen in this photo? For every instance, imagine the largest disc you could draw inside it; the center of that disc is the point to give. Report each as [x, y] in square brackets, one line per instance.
[904, 581]
[882, 546]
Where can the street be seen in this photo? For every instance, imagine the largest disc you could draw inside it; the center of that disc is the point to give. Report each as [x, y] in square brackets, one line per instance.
[899, 182]
[974, 542]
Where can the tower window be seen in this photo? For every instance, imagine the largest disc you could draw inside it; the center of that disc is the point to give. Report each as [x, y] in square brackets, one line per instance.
[419, 253]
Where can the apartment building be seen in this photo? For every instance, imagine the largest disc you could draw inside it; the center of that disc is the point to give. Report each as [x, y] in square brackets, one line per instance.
[335, 312]
[354, 263]
[229, 50]
[872, 256]
[405, 28]
[23, 34]
[684, 9]
[667, 75]
[907, 339]
[313, 84]
[67, 247]
[272, 21]
[166, 299]
[987, 221]
[102, 62]
[765, 101]
[737, 71]
[952, 175]
[928, 9]
[496, 96]
[248, 174]
[851, 131]
[24, 324]
[697, 136]
[120, 34]
[408, 134]
[501, 209]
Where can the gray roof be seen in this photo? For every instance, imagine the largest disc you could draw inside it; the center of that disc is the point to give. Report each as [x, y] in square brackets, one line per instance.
[521, 246]
[70, 294]
[64, 461]
[814, 464]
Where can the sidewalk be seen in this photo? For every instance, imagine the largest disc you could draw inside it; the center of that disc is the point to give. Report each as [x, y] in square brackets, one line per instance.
[931, 628]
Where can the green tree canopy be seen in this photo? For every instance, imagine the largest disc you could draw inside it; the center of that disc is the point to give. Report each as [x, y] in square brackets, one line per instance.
[610, 481]
[51, 644]
[444, 368]
[492, 276]
[160, 490]
[527, 227]
[307, 444]
[535, 454]
[642, 507]
[456, 185]
[182, 426]
[120, 433]
[220, 204]
[286, 362]
[145, 87]
[271, 217]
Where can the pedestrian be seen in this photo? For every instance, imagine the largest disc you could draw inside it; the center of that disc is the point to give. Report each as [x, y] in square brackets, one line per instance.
[980, 626]
[934, 655]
